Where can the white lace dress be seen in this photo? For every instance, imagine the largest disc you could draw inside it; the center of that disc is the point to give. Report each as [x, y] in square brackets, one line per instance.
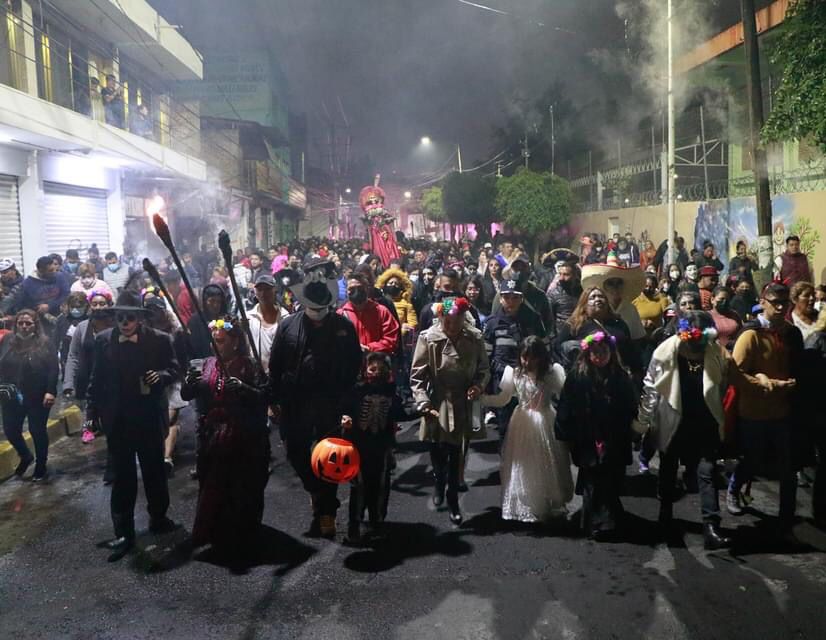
[536, 467]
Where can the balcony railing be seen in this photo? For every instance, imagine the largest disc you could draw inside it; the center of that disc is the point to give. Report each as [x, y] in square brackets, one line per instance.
[71, 75]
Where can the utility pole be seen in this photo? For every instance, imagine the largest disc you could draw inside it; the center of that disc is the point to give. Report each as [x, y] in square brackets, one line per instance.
[526, 152]
[672, 196]
[553, 140]
[705, 159]
[758, 154]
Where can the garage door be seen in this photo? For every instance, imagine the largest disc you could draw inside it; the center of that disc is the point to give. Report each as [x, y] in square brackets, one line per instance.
[11, 245]
[75, 218]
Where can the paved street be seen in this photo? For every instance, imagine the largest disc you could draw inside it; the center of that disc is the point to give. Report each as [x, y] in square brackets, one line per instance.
[486, 579]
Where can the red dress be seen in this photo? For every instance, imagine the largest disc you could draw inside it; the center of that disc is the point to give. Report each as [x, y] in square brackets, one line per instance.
[383, 244]
[233, 455]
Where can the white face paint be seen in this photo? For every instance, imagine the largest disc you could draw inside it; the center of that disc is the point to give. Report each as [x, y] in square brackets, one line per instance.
[691, 272]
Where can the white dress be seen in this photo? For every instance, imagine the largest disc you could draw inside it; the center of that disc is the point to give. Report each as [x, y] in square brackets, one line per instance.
[536, 467]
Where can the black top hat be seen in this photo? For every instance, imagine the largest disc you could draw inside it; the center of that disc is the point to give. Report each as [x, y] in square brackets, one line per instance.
[129, 302]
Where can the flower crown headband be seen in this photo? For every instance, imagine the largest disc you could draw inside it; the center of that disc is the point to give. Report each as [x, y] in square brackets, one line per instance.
[598, 337]
[102, 293]
[221, 325]
[450, 307]
[687, 333]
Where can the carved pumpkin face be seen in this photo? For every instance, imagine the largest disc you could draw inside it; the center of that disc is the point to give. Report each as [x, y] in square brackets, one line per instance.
[335, 460]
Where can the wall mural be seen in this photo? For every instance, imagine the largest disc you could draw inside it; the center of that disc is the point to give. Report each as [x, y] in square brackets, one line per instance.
[726, 222]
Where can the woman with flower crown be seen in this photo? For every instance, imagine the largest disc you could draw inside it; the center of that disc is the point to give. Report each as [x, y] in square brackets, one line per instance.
[682, 409]
[233, 443]
[450, 368]
[596, 408]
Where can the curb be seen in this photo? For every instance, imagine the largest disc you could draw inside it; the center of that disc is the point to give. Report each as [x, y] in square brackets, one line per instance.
[70, 420]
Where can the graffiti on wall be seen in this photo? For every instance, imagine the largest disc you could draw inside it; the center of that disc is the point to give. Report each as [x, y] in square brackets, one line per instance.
[726, 222]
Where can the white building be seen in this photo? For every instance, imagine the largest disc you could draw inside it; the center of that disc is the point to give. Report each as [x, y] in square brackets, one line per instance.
[71, 168]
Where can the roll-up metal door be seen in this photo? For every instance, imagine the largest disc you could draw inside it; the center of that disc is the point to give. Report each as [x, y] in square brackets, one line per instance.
[75, 218]
[11, 245]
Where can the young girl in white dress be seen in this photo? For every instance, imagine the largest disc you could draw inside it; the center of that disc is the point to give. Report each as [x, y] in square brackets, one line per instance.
[536, 467]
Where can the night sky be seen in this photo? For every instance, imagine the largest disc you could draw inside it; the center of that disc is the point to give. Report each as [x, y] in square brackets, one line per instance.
[407, 68]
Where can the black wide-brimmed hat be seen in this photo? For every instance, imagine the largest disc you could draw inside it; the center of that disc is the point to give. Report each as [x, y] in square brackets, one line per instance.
[129, 302]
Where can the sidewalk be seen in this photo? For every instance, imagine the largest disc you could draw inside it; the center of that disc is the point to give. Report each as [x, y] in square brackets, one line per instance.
[66, 421]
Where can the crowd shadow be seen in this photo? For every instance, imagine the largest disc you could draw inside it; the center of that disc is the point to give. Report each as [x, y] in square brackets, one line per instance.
[272, 548]
[405, 541]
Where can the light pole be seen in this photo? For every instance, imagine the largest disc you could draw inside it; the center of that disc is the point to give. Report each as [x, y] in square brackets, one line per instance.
[426, 141]
[553, 139]
[672, 182]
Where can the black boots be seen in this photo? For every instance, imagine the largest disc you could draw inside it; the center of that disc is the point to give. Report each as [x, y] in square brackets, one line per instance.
[713, 539]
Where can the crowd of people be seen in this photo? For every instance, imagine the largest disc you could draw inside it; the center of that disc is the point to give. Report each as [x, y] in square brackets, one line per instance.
[575, 360]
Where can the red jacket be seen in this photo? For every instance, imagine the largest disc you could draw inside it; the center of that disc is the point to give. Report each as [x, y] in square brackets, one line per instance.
[185, 308]
[376, 327]
[795, 268]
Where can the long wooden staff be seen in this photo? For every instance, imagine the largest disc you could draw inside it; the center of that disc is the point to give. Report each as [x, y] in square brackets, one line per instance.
[226, 251]
[162, 229]
[156, 278]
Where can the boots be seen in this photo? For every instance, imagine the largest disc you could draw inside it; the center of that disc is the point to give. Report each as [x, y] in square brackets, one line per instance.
[713, 539]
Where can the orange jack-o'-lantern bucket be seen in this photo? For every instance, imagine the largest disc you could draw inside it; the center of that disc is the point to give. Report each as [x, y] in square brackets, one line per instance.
[335, 460]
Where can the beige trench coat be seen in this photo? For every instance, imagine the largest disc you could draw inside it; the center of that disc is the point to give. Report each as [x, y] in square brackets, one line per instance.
[441, 374]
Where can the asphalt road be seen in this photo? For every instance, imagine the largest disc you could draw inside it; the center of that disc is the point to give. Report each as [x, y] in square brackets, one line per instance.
[487, 579]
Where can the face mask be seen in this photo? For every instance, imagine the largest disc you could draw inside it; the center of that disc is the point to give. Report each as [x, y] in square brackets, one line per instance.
[414, 277]
[113, 267]
[722, 305]
[72, 266]
[76, 313]
[317, 315]
[359, 296]
[97, 314]
[25, 336]
[392, 290]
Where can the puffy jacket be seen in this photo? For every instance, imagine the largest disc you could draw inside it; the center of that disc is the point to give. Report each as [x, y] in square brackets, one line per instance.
[660, 409]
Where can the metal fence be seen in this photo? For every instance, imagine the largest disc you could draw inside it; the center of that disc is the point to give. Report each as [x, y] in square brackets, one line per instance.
[809, 178]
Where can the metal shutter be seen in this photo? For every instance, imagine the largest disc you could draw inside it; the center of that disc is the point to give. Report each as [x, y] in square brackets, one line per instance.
[75, 217]
[11, 245]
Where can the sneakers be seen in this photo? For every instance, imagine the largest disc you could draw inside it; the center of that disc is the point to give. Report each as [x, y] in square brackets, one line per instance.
[327, 526]
[87, 436]
[733, 504]
[644, 470]
[162, 525]
[40, 474]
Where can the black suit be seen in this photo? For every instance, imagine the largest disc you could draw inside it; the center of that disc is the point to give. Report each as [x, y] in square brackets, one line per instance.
[133, 418]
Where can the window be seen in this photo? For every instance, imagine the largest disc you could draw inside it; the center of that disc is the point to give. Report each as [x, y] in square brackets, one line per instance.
[12, 56]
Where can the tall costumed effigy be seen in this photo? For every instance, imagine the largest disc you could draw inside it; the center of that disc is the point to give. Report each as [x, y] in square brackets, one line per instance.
[379, 223]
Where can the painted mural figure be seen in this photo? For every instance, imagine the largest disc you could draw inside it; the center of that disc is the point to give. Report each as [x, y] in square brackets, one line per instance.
[379, 223]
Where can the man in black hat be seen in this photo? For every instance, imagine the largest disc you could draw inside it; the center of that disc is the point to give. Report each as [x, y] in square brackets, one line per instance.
[315, 360]
[533, 296]
[504, 332]
[131, 367]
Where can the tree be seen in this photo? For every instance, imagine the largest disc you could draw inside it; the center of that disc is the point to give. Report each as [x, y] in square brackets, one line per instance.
[468, 198]
[534, 204]
[799, 110]
[432, 206]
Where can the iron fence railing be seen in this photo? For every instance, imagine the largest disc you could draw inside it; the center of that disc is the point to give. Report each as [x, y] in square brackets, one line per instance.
[809, 178]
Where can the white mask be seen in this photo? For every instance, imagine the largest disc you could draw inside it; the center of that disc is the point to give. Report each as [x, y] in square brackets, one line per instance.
[317, 315]
[691, 272]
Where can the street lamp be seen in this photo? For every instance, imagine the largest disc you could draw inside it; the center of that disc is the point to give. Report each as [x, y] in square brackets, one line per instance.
[426, 141]
[348, 190]
[407, 195]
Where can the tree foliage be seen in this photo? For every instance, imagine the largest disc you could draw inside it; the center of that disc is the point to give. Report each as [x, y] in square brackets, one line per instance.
[533, 203]
[432, 204]
[468, 198]
[799, 109]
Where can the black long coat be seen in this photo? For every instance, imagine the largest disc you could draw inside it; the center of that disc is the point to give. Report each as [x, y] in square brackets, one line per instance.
[104, 398]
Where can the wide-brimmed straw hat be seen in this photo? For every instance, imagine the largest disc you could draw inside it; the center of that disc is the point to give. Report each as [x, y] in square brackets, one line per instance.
[596, 275]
